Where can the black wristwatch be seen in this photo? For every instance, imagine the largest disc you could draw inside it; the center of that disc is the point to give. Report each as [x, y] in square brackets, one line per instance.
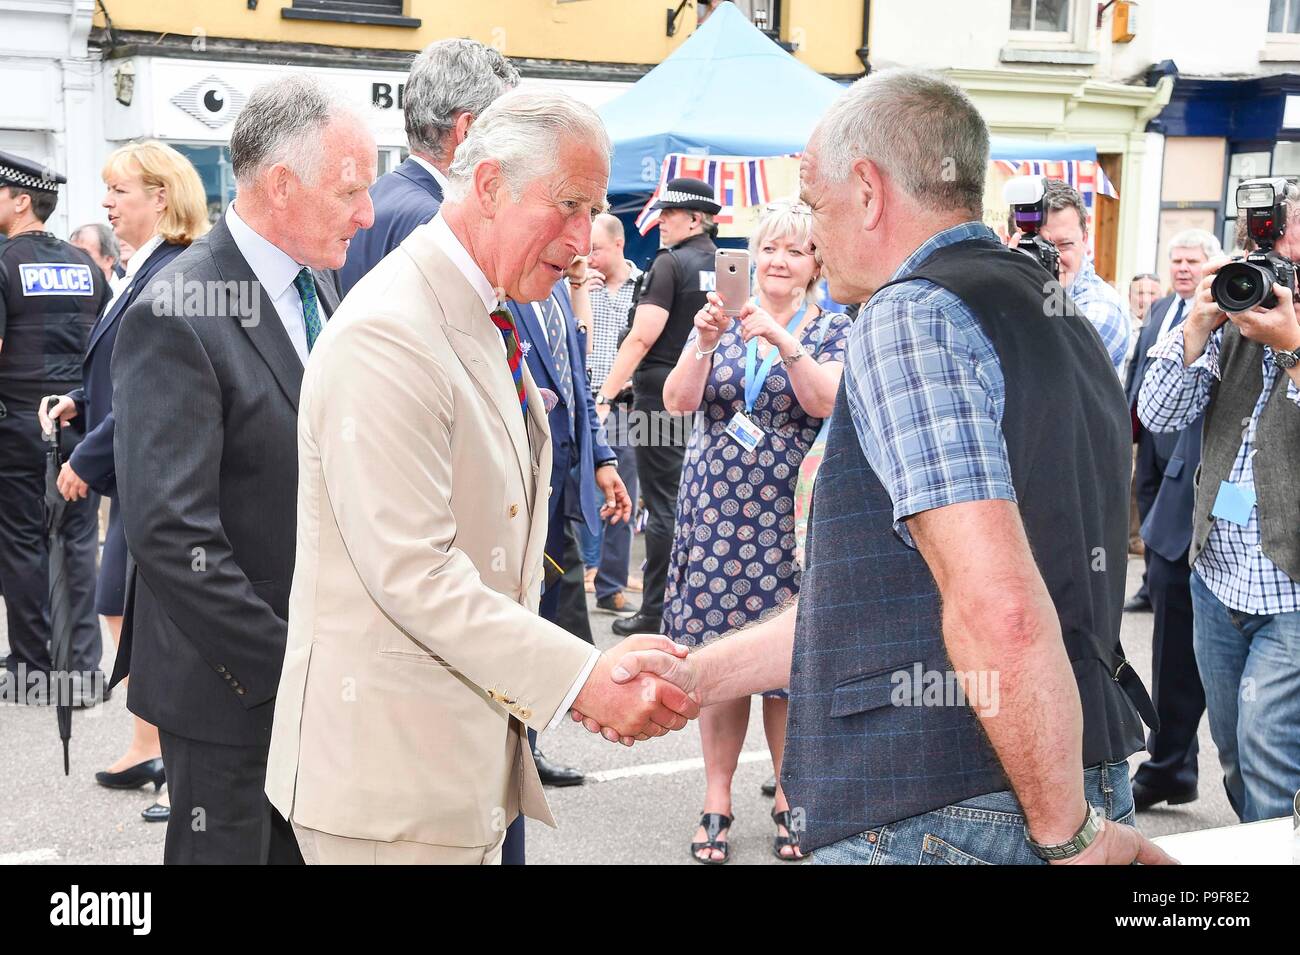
[611, 463]
[1286, 360]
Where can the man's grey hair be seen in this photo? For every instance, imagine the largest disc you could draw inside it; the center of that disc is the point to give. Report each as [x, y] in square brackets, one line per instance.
[107, 239]
[523, 132]
[1061, 195]
[1196, 239]
[447, 78]
[283, 122]
[922, 130]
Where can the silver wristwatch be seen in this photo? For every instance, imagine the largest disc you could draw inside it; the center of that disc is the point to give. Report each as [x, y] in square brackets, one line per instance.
[1085, 837]
[794, 356]
[1286, 360]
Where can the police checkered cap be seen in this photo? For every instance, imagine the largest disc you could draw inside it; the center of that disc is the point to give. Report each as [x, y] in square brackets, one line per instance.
[687, 193]
[17, 171]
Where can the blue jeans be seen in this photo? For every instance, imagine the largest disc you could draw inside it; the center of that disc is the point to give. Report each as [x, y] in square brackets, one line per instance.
[985, 830]
[1250, 667]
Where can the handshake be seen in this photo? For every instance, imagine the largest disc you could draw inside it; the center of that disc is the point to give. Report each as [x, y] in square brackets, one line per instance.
[641, 688]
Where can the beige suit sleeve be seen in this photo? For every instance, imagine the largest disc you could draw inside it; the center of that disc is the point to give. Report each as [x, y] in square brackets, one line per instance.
[380, 410]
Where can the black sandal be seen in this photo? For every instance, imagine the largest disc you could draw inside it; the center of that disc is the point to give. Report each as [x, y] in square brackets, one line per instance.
[713, 823]
[779, 842]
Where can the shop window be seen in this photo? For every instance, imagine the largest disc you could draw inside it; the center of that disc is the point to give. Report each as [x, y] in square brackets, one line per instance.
[213, 165]
[1284, 16]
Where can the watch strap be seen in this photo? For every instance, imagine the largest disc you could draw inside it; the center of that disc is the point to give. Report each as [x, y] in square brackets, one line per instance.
[1085, 837]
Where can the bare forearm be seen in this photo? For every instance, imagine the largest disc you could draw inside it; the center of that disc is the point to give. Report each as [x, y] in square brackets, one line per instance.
[1033, 719]
[684, 388]
[750, 661]
[815, 385]
[629, 356]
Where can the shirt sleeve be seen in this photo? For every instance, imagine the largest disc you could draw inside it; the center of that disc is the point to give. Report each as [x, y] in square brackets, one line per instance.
[1113, 325]
[925, 409]
[577, 686]
[1172, 395]
[660, 287]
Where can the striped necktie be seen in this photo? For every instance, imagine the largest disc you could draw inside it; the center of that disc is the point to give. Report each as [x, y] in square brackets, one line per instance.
[306, 287]
[557, 337]
[505, 324]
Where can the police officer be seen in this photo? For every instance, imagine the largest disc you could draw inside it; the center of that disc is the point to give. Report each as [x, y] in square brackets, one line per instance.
[50, 295]
[673, 290]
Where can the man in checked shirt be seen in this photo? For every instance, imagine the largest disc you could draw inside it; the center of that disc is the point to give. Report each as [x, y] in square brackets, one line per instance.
[1242, 371]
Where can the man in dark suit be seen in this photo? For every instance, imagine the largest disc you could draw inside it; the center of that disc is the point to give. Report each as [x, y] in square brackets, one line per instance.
[1166, 465]
[206, 380]
[450, 83]
[1188, 252]
[585, 485]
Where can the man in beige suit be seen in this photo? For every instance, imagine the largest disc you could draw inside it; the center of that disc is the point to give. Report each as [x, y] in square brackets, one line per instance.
[415, 655]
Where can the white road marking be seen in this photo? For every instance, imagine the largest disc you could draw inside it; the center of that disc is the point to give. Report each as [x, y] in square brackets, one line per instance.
[665, 768]
[29, 857]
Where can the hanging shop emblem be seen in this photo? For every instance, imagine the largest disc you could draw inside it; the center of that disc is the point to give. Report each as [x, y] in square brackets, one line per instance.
[211, 101]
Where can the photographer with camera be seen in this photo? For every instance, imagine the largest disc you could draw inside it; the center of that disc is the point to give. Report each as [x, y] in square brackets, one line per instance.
[1066, 227]
[1236, 358]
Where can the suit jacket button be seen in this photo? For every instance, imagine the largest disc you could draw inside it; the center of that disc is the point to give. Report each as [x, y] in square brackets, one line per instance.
[220, 668]
[514, 510]
[240, 690]
[226, 676]
[525, 714]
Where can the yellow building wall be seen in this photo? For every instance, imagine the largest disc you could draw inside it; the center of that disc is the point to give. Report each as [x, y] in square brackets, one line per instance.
[608, 31]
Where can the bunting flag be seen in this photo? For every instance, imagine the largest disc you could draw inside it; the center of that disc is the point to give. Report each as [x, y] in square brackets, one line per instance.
[739, 183]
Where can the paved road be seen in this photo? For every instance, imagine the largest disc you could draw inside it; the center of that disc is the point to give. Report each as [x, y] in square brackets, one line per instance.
[639, 806]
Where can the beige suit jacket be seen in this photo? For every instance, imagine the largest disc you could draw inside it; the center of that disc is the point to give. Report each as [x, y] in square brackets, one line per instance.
[415, 654]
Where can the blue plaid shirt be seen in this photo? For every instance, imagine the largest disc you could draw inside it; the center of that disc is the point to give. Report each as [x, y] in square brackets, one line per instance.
[1103, 307]
[1232, 564]
[927, 393]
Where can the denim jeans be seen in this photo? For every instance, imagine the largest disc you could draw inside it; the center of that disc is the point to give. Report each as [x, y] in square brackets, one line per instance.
[985, 830]
[1250, 667]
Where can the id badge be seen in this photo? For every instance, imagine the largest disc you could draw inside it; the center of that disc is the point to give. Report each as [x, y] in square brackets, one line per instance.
[1234, 503]
[748, 434]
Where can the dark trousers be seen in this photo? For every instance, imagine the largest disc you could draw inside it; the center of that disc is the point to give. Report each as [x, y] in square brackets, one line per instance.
[565, 602]
[24, 551]
[659, 467]
[1175, 682]
[616, 539]
[220, 813]
[1147, 475]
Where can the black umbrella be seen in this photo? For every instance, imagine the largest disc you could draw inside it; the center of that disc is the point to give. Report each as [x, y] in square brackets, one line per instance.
[60, 594]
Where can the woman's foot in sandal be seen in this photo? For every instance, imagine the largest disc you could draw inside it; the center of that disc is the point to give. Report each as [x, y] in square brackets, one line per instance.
[785, 845]
[711, 848]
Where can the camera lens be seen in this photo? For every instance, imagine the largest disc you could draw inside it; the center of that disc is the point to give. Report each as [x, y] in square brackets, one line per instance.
[1240, 286]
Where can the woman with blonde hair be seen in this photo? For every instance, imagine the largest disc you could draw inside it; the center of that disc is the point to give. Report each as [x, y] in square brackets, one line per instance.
[157, 204]
[762, 383]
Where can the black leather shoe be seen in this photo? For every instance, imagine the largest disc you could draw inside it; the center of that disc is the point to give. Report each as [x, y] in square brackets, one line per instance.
[616, 603]
[637, 623]
[553, 774]
[1144, 796]
[133, 777]
[156, 813]
[1138, 604]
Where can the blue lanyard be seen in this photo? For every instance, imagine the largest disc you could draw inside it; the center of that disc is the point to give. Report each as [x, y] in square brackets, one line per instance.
[754, 383]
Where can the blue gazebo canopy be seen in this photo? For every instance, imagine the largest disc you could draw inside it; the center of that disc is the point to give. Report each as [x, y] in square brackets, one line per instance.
[729, 90]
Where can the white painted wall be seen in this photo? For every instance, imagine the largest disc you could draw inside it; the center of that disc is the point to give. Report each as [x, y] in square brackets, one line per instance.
[1203, 37]
[47, 97]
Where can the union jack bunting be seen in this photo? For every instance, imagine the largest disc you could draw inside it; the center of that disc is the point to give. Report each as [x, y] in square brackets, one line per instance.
[1085, 175]
[737, 181]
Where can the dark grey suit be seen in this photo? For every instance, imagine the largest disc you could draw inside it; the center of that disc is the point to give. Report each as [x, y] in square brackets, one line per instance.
[206, 455]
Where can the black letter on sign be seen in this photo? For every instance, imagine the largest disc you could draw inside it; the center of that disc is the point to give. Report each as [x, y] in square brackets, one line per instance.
[381, 95]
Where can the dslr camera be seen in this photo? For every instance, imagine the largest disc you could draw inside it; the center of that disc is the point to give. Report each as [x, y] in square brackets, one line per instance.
[1027, 197]
[1246, 282]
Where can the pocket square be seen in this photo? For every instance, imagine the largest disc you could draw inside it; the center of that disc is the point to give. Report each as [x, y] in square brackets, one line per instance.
[549, 399]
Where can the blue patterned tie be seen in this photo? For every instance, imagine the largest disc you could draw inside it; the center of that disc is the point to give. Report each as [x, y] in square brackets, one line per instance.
[557, 337]
[306, 287]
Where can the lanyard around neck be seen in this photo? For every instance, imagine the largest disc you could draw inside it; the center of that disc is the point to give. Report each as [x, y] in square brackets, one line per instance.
[754, 382]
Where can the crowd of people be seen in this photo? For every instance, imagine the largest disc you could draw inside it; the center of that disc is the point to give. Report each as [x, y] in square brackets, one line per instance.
[361, 484]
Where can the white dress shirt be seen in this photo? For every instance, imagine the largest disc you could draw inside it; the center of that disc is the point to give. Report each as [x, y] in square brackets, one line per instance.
[120, 283]
[1170, 314]
[275, 271]
[450, 246]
